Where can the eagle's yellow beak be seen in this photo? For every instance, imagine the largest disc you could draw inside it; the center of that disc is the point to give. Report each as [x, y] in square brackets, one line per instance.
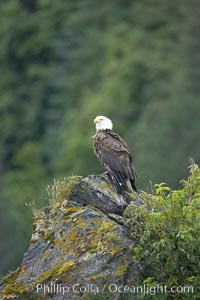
[97, 120]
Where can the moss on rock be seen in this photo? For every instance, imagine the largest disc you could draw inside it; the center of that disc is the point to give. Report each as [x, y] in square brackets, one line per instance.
[74, 242]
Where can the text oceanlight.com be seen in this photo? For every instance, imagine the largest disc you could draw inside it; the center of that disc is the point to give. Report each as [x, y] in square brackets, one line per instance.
[90, 288]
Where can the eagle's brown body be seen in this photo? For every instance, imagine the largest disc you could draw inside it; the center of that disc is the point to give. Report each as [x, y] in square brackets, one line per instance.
[113, 153]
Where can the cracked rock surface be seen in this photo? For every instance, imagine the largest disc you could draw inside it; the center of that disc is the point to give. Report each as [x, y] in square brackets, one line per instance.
[79, 248]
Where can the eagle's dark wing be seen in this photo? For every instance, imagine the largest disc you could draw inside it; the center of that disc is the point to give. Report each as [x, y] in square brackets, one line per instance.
[113, 153]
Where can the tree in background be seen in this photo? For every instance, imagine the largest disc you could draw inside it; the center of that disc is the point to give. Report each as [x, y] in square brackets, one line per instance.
[63, 63]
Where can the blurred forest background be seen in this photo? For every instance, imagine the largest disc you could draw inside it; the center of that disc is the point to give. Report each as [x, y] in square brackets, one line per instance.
[64, 62]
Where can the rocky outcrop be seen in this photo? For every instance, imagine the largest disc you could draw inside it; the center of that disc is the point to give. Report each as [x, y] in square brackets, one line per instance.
[80, 247]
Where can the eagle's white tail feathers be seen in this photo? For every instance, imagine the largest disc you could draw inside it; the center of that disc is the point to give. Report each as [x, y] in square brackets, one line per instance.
[122, 184]
[129, 186]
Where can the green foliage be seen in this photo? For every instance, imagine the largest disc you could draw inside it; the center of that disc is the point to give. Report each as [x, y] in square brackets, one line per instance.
[57, 193]
[167, 227]
[63, 63]
[168, 140]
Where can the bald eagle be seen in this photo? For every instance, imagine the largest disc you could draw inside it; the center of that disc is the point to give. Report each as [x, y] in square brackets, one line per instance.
[113, 153]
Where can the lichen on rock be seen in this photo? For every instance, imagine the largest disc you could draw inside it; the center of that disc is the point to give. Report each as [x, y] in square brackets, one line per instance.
[78, 247]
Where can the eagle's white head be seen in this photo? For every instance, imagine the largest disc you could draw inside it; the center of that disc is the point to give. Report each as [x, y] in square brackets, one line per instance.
[103, 123]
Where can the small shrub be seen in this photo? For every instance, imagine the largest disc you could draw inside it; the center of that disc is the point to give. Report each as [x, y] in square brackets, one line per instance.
[167, 227]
